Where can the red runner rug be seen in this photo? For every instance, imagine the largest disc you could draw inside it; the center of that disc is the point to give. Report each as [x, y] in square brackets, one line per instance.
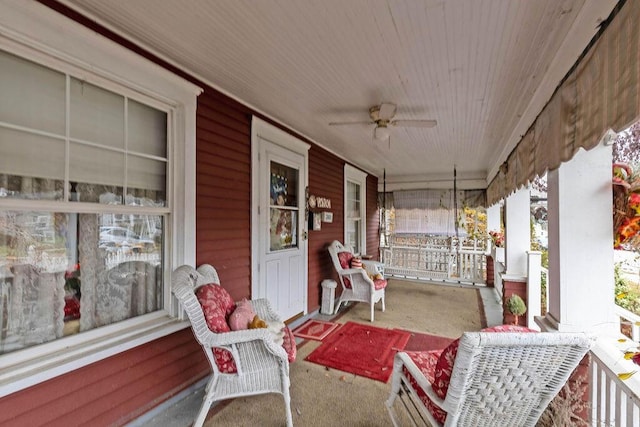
[315, 329]
[362, 350]
[426, 342]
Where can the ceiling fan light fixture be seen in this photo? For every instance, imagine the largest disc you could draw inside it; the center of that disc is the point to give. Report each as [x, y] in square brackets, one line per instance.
[381, 132]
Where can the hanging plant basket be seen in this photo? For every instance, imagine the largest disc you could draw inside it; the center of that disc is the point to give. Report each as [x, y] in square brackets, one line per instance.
[626, 205]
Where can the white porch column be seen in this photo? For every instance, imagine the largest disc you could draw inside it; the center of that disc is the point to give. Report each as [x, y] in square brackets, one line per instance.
[517, 232]
[581, 284]
[493, 217]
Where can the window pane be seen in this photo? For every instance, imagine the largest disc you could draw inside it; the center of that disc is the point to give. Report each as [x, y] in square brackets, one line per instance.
[284, 185]
[353, 235]
[146, 178]
[147, 130]
[97, 115]
[63, 273]
[27, 156]
[353, 200]
[33, 96]
[20, 187]
[283, 229]
[95, 165]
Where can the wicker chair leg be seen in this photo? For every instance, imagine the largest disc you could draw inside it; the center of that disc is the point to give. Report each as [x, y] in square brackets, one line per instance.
[395, 389]
[373, 304]
[204, 410]
[287, 405]
[287, 396]
[383, 302]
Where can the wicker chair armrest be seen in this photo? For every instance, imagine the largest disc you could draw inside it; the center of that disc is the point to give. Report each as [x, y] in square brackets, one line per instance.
[359, 277]
[373, 267]
[238, 338]
[418, 376]
[356, 272]
[265, 310]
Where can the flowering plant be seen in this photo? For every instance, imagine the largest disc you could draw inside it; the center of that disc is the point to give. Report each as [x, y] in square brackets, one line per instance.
[497, 237]
[626, 207]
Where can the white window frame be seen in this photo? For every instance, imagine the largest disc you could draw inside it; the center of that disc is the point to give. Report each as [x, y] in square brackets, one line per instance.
[358, 177]
[32, 31]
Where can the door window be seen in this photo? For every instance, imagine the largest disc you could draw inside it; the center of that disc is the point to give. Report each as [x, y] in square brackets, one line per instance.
[283, 207]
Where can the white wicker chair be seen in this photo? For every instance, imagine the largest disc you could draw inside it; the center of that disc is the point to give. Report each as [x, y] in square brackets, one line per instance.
[498, 379]
[262, 365]
[359, 286]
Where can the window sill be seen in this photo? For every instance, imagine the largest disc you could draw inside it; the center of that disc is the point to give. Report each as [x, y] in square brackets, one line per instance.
[25, 368]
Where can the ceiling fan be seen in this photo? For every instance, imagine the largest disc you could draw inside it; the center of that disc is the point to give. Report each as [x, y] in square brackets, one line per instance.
[382, 116]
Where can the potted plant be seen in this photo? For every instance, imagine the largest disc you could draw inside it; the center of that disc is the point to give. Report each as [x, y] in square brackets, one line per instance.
[516, 306]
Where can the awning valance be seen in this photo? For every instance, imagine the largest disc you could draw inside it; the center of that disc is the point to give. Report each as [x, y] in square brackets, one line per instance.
[601, 92]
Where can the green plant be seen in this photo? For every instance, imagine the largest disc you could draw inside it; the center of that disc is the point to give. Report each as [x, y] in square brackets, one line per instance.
[516, 306]
[627, 295]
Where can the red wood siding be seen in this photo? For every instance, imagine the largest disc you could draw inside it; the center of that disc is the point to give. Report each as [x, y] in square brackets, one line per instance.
[223, 190]
[112, 391]
[326, 179]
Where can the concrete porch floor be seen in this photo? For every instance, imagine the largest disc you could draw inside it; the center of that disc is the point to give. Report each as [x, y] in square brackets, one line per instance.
[181, 410]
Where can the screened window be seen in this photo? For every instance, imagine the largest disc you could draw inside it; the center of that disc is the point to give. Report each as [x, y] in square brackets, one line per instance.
[83, 207]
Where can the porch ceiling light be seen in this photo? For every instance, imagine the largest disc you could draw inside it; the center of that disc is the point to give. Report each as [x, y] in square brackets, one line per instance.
[381, 132]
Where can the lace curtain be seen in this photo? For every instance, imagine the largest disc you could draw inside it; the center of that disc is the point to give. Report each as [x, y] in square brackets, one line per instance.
[109, 295]
[44, 297]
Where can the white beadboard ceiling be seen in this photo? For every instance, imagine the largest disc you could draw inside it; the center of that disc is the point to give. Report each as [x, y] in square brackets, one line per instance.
[482, 68]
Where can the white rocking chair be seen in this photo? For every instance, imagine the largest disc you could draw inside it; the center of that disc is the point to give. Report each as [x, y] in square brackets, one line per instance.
[262, 365]
[497, 379]
[357, 285]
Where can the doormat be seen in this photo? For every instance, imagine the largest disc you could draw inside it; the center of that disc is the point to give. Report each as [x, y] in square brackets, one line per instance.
[315, 329]
[360, 349]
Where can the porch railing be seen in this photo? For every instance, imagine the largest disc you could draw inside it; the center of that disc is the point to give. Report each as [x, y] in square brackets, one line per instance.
[629, 320]
[614, 402]
[435, 263]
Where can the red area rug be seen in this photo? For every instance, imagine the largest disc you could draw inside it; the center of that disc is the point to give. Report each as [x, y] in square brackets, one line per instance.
[315, 329]
[426, 342]
[362, 350]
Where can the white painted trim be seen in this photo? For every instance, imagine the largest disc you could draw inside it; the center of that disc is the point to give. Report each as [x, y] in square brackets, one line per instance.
[514, 278]
[355, 175]
[40, 34]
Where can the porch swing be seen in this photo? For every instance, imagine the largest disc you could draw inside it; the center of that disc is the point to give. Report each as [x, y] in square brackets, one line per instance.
[435, 256]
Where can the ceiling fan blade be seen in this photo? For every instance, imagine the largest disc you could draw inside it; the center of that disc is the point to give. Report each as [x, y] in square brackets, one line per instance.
[387, 111]
[415, 123]
[363, 122]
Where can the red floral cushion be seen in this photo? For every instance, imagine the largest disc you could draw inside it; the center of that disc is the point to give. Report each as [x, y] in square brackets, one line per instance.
[219, 294]
[289, 345]
[214, 314]
[379, 284]
[345, 259]
[224, 360]
[426, 361]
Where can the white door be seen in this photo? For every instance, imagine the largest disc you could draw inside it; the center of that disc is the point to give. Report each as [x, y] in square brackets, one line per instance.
[279, 240]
